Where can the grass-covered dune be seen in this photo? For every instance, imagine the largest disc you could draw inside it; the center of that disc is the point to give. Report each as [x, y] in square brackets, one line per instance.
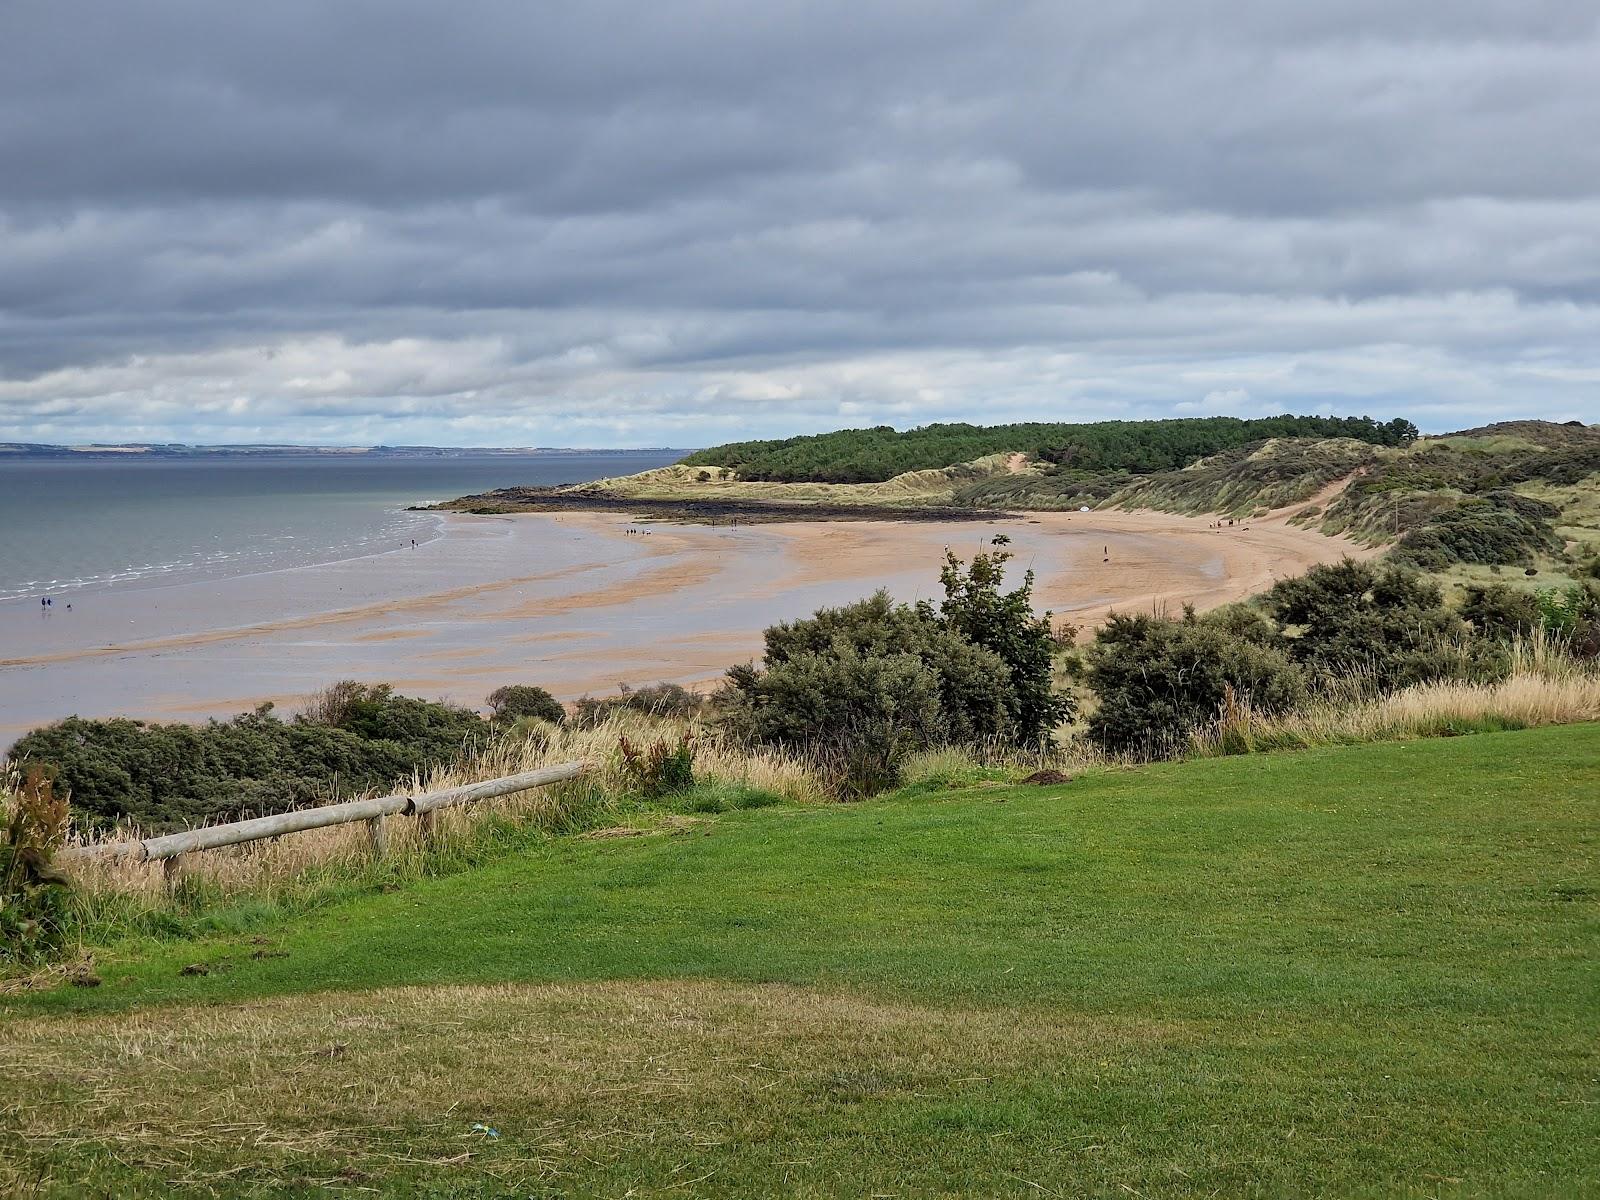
[1364, 970]
[961, 468]
[1520, 494]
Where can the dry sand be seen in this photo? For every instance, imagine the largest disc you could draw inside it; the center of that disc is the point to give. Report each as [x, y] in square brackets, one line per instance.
[579, 604]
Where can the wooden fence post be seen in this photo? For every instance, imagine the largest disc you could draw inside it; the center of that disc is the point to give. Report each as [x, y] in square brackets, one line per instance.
[170, 848]
[172, 873]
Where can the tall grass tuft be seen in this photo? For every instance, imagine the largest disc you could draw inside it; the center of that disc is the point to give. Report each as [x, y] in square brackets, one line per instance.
[1544, 687]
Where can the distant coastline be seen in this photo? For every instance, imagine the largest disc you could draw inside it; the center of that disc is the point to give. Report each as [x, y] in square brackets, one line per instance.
[12, 451]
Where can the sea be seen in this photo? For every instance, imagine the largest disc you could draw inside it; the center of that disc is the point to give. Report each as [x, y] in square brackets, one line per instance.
[82, 525]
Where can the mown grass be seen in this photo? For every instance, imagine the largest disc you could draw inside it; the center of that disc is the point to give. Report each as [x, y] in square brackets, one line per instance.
[1349, 971]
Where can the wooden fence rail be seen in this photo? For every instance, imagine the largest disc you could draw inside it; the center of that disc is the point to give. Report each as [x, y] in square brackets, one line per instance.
[374, 810]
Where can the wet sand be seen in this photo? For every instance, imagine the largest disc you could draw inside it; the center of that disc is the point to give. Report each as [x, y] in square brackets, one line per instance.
[576, 603]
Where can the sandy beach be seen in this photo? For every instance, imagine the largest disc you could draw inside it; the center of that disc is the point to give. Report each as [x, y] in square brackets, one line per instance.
[579, 603]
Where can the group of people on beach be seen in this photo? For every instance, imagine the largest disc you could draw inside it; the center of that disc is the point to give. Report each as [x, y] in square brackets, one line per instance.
[46, 603]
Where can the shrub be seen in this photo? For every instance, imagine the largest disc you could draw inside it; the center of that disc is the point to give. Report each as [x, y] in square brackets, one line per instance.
[1004, 623]
[1498, 610]
[352, 738]
[429, 730]
[1158, 680]
[975, 700]
[1500, 528]
[856, 715]
[1377, 628]
[666, 700]
[659, 769]
[1244, 622]
[859, 688]
[514, 701]
[33, 894]
[1573, 615]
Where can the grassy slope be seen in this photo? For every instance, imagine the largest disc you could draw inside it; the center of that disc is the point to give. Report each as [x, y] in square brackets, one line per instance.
[1360, 970]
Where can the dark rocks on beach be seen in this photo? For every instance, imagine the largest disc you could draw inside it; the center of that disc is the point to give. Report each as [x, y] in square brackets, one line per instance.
[530, 499]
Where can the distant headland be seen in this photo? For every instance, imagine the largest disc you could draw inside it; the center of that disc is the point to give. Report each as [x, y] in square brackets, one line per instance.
[17, 450]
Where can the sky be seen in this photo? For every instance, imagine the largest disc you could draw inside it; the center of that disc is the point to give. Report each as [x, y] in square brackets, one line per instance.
[599, 224]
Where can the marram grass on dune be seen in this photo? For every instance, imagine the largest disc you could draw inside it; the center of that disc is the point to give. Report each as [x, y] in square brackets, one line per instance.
[1544, 687]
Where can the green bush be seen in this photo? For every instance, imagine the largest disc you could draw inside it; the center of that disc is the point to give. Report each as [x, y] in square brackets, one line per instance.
[1158, 680]
[974, 698]
[861, 687]
[352, 738]
[661, 768]
[1004, 622]
[1573, 615]
[1499, 528]
[857, 714]
[33, 894]
[514, 701]
[668, 700]
[1376, 628]
[1498, 610]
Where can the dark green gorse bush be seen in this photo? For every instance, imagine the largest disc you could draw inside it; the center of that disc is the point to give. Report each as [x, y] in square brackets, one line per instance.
[33, 893]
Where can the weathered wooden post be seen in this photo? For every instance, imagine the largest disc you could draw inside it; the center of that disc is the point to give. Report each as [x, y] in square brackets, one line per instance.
[171, 849]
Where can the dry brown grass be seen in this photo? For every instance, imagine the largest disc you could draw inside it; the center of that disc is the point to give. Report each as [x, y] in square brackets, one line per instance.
[1544, 688]
[308, 1087]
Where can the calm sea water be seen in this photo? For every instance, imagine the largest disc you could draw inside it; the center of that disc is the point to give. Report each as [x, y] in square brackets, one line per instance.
[95, 524]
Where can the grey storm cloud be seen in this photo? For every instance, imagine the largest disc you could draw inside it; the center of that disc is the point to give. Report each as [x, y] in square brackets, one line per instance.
[613, 224]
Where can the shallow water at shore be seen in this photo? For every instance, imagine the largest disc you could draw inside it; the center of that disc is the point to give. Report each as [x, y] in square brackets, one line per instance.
[70, 526]
[575, 603]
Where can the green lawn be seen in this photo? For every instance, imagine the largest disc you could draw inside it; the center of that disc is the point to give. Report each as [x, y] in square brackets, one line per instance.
[1362, 971]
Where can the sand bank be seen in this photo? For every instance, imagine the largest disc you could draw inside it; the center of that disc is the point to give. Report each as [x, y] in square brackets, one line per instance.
[580, 602]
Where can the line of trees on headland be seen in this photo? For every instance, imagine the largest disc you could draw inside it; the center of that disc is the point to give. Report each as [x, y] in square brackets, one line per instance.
[880, 453]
